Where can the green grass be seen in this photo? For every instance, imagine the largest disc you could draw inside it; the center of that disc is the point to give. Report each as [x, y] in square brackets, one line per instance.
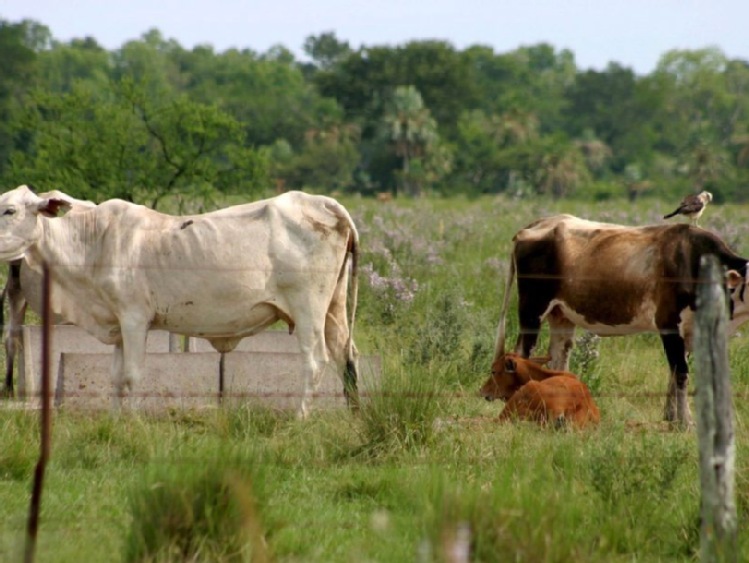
[423, 461]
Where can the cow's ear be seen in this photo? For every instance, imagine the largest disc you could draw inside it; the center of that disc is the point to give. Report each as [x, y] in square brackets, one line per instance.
[733, 279]
[510, 365]
[52, 206]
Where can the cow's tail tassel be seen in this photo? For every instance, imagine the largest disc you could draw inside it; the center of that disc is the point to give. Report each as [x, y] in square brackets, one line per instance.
[350, 376]
[351, 385]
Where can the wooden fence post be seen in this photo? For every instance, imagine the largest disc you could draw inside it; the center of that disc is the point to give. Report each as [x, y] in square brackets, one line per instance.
[32, 525]
[715, 424]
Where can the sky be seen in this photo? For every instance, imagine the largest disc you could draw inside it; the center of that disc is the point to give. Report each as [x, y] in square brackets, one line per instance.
[633, 33]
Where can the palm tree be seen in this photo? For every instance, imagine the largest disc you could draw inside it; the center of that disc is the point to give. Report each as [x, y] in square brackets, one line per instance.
[410, 128]
[595, 151]
[516, 127]
[562, 168]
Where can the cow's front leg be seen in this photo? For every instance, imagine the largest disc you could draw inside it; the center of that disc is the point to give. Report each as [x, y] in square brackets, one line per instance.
[129, 357]
[677, 404]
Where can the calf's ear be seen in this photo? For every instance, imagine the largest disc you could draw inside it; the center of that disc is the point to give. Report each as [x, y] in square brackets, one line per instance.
[510, 365]
[733, 279]
[541, 360]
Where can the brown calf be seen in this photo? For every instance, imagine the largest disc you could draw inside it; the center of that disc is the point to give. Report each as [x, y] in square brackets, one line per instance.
[538, 394]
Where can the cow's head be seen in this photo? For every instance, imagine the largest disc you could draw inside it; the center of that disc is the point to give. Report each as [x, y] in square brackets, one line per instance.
[19, 219]
[509, 373]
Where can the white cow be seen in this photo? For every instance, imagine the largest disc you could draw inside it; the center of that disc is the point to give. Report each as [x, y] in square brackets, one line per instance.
[23, 288]
[121, 269]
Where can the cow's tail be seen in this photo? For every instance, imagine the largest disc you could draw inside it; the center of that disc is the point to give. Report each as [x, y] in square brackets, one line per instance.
[499, 345]
[350, 376]
[2, 305]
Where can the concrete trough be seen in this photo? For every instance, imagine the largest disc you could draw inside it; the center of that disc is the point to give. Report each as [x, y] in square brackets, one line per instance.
[271, 379]
[66, 339]
[71, 339]
[275, 379]
[84, 381]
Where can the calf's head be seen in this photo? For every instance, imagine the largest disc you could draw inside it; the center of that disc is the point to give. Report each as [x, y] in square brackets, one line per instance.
[509, 373]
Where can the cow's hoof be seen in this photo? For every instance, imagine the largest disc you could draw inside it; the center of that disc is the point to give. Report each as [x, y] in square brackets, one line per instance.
[560, 423]
[681, 425]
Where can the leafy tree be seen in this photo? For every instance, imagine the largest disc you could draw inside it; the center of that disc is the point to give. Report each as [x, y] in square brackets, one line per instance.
[121, 143]
[487, 148]
[268, 93]
[707, 105]
[530, 80]
[151, 63]
[17, 72]
[326, 50]
[609, 106]
[362, 82]
[326, 162]
[65, 64]
[698, 101]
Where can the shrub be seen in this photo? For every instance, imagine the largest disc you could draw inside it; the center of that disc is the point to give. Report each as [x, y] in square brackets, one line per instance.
[399, 413]
[20, 449]
[197, 513]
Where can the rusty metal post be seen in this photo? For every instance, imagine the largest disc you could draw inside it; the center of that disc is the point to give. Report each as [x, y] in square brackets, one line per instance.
[715, 425]
[46, 418]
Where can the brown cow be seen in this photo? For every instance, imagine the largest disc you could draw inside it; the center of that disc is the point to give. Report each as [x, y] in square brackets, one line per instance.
[538, 394]
[614, 280]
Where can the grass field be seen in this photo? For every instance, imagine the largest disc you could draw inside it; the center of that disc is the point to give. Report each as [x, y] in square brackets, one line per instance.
[423, 467]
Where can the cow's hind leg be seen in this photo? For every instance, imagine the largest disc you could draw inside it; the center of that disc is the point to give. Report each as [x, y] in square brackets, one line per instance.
[677, 405]
[336, 340]
[531, 308]
[530, 327]
[311, 336]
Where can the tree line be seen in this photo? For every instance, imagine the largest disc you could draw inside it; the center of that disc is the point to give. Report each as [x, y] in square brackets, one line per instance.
[153, 119]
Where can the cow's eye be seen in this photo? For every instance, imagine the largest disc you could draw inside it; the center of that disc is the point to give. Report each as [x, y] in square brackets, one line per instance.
[9, 211]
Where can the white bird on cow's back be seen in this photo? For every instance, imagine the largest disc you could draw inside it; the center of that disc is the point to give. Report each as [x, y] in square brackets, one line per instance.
[692, 206]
